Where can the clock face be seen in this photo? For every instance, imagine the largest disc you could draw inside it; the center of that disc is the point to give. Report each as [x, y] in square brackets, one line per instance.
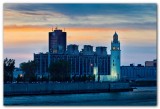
[115, 48]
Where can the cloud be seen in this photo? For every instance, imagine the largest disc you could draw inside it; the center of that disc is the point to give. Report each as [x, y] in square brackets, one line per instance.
[141, 16]
[86, 9]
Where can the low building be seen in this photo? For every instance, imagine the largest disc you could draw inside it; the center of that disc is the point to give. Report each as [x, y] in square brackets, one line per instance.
[151, 63]
[138, 72]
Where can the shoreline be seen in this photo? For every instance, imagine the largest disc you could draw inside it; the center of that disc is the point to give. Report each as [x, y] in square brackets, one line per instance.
[140, 97]
[64, 88]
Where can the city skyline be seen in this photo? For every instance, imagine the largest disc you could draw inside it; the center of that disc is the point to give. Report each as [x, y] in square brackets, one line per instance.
[26, 28]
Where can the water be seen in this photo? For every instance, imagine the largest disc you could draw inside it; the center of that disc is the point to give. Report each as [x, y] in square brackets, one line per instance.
[142, 96]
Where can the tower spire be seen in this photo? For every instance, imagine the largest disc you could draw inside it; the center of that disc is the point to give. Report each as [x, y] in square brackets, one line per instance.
[115, 37]
[56, 27]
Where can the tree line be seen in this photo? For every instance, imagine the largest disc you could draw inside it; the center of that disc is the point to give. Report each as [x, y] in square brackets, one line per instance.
[58, 71]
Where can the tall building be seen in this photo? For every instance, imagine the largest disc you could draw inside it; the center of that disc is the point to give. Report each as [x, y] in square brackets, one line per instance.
[57, 41]
[115, 58]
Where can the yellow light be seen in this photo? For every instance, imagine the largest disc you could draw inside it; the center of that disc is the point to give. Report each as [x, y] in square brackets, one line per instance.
[21, 75]
[114, 48]
[95, 70]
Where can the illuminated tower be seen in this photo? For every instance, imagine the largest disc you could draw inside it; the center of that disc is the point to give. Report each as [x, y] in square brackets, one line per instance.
[115, 58]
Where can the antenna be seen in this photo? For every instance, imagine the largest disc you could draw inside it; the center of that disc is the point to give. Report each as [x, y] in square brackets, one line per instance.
[52, 28]
[64, 29]
[56, 27]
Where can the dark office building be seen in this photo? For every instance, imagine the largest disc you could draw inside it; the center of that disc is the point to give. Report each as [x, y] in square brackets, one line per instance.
[57, 42]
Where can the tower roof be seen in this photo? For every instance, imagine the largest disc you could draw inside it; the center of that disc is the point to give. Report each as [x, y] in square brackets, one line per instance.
[115, 37]
[115, 34]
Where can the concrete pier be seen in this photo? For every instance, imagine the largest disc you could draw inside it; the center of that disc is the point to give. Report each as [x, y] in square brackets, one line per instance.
[63, 88]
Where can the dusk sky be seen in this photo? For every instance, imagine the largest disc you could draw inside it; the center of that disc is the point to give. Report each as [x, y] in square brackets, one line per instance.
[26, 28]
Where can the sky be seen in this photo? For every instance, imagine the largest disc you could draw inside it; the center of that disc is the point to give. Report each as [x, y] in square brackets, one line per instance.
[26, 28]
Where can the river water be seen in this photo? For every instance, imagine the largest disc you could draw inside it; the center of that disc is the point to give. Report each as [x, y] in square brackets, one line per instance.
[142, 96]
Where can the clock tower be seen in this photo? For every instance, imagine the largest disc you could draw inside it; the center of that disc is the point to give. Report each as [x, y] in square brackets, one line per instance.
[115, 61]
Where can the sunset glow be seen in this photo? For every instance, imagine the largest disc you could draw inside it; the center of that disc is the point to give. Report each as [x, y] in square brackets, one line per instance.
[26, 30]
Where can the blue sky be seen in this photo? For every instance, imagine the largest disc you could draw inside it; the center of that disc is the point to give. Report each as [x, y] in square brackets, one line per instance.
[136, 25]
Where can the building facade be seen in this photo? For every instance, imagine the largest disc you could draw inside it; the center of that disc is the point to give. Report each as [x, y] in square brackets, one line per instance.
[80, 63]
[138, 72]
[57, 41]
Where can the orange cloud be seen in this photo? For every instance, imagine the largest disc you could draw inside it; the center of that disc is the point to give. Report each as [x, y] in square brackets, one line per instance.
[38, 34]
[27, 28]
[44, 28]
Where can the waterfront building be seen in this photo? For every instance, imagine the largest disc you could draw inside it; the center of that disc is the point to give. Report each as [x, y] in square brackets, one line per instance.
[87, 62]
[81, 62]
[138, 72]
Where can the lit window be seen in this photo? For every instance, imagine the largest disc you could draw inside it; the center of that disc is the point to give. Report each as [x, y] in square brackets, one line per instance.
[54, 51]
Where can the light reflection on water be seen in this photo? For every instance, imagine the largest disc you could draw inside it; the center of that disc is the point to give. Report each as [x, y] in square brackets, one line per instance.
[139, 97]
